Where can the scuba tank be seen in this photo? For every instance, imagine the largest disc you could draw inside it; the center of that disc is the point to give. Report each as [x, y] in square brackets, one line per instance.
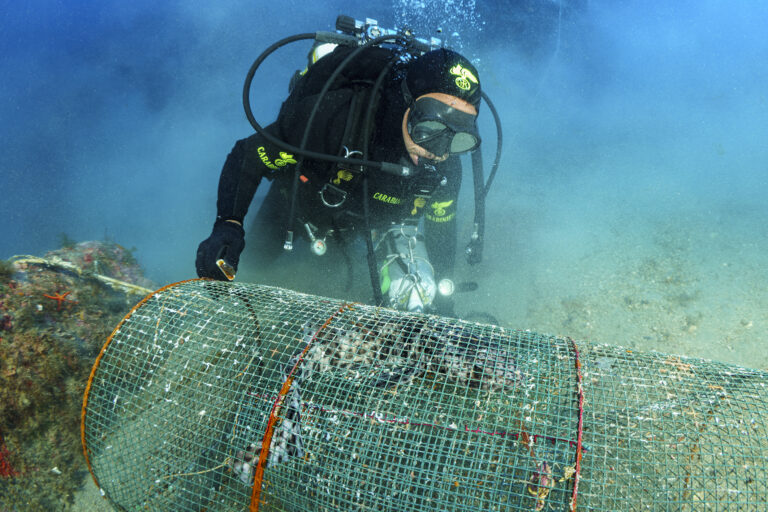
[407, 278]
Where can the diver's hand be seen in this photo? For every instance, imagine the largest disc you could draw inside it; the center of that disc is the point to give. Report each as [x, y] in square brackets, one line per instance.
[226, 242]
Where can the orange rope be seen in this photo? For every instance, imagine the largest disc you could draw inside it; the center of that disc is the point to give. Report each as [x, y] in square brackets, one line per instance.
[579, 447]
[98, 360]
[258, 474]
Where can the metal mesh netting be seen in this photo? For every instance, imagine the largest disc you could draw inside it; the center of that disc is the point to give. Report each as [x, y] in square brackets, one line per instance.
[220, 396]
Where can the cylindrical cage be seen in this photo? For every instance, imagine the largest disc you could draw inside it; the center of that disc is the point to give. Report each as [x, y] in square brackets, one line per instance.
[220, 396]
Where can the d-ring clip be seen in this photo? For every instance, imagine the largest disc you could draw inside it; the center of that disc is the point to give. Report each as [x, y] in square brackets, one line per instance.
[348, 153]
[337, 195]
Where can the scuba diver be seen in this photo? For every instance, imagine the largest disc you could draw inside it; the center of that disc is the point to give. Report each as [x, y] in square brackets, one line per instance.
[367, 142]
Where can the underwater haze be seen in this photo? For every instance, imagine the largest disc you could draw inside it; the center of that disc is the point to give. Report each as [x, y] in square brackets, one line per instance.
[629, 207]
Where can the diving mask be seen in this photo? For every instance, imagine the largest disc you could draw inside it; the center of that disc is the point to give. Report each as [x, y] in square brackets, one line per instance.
[440, 128]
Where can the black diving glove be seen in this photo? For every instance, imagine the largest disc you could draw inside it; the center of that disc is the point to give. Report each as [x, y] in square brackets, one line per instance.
[226, 242]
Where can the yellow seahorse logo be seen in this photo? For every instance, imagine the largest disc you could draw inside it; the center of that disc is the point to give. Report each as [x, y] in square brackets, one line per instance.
[284, 159]
[464, 77]
[439, 208]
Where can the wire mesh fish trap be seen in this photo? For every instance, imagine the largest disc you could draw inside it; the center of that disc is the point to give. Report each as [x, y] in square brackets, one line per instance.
[221, 396]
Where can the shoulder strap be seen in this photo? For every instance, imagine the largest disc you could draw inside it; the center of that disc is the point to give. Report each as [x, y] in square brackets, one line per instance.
[334, 189]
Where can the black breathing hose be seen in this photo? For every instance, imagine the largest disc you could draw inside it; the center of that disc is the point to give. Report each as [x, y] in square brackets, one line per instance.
[373, 270]
[499, 143]
[474, 249]
[330, 37]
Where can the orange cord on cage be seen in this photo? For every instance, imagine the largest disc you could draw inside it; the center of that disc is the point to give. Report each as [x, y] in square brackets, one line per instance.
[97, 362]
[258, 474]
[579, 447]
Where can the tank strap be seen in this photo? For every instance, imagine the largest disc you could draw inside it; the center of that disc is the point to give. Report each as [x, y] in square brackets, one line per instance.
[335, 191]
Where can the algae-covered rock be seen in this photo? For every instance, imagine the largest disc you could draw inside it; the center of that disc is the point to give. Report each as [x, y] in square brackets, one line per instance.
[56, 312]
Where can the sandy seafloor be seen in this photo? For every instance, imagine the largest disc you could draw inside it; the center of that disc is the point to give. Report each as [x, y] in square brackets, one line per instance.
[686, 277]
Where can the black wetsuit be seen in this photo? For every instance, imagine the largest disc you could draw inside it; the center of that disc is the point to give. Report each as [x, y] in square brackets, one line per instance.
[392, 199]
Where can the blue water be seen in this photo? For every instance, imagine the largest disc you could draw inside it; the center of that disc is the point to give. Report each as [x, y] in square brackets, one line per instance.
[630, 207]
[635, 165]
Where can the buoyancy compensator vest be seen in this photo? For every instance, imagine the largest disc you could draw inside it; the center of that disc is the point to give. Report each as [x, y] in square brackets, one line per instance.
[360, 36]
